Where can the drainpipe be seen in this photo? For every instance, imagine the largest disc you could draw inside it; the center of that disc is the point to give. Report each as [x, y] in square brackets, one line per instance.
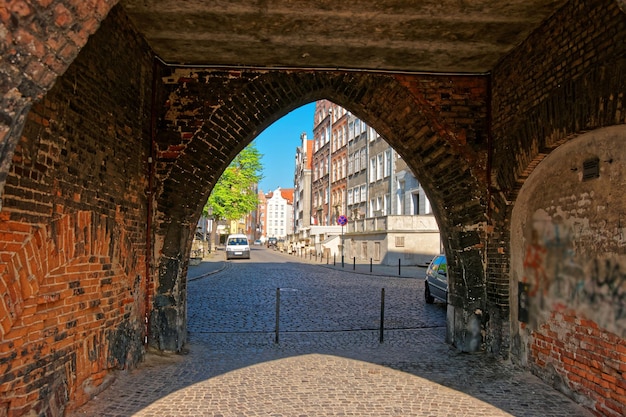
[150, 202]
[489, 146]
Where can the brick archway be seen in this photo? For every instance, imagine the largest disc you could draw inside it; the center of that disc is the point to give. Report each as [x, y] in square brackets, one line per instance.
[437, 124]
[568, 272]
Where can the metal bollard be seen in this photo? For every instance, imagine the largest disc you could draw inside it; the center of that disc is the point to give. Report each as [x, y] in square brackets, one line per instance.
[370, 265]
[381, 337]
[277, 314]
[399, 267]
[354, 263]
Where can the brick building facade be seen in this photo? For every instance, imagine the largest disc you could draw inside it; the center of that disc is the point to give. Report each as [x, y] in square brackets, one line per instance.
[108, 156]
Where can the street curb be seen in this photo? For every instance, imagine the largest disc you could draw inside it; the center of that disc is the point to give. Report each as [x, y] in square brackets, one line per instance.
[223, 265]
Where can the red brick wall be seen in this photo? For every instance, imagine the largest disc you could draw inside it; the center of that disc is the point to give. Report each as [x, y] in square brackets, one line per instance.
[567, 78]
[73, 230]
[42, 40]
[590, 361]
[76, 189]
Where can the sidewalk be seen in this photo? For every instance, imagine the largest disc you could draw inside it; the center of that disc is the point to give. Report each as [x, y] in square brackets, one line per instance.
[359, 267]
[214, 263]
[211, 264]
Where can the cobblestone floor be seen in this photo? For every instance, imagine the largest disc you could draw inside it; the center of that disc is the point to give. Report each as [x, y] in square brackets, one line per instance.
[328, 361]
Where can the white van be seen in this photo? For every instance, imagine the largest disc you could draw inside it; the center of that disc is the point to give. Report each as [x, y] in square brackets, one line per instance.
[237, 246]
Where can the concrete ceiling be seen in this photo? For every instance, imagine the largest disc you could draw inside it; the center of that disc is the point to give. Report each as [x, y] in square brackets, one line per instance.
[467, 36]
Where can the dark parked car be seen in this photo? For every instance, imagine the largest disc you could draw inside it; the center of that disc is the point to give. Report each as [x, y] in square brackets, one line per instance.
[271, 242]
[436, 283]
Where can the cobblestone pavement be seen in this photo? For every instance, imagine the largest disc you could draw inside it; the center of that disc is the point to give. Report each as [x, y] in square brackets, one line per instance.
[328, 361]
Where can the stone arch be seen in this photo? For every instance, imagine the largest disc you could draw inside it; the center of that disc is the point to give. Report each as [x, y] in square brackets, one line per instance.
[208, 116]
[568, 266]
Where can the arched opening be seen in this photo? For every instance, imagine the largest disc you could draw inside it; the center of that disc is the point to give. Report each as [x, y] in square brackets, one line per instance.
[568, 264]
[211, 115]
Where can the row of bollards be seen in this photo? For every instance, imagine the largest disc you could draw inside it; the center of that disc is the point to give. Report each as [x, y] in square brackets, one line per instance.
[321, 256]
[381, 330]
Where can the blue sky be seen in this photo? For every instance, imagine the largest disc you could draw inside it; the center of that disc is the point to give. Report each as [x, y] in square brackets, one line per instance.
[278, 145]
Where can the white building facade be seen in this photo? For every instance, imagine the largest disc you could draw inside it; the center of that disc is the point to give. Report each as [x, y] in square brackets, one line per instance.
[279, 213]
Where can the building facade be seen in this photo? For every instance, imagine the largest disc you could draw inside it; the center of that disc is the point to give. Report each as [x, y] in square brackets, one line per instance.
[320, 185]
[261, 217]
[389, 214]
[302, 191]
[279, 213]
[339, 162]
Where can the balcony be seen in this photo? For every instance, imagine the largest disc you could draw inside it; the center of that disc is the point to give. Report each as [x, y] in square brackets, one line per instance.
[416, 223]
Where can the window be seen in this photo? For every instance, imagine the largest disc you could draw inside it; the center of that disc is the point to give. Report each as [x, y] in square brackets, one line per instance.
[363, 158]
[379, 165]
[373, 169]
[415, 203]
[357, 164]
[387, 163]
[350, 164]
[350, 196]
[363, 192]
[400, 193]
[399, 241]
[357, 194]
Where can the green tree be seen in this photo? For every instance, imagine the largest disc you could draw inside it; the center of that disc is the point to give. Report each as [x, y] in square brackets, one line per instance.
[234, 195]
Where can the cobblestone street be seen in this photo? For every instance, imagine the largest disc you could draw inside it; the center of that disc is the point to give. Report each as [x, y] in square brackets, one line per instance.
[328, 361]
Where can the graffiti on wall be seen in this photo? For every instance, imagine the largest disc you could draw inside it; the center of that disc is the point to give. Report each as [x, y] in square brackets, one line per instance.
[566, 268]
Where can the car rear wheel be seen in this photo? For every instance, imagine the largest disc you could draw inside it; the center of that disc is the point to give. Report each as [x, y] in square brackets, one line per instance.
[427, 296]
